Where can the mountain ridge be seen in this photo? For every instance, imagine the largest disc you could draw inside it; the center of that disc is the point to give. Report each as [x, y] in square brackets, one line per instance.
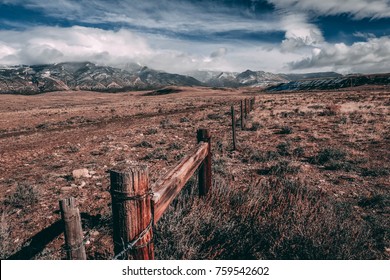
[25, 79]
[65, 76]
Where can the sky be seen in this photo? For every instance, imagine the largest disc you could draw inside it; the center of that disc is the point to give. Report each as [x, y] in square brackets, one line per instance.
[178, 36]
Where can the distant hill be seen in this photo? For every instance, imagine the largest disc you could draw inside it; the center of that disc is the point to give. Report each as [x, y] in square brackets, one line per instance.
[305, 76]
[250, 78]
[330, 83]
[24, 79]
[85, 76]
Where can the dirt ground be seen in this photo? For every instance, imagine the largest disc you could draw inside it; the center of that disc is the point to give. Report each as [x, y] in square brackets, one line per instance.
[44, 138]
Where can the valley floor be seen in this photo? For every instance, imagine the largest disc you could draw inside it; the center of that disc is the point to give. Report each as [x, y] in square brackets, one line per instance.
[336, 144]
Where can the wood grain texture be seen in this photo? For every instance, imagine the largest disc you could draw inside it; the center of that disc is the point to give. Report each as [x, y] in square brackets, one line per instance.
[75, 249]
[166, 189]
[132, 211]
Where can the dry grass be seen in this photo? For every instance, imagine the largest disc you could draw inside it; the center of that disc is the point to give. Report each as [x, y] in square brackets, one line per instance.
[5, 238]
[309, 180]
[24, 195]
[274, 219]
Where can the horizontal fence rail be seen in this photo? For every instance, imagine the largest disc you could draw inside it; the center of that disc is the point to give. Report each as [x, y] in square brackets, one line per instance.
[167, 188]
[137, 206]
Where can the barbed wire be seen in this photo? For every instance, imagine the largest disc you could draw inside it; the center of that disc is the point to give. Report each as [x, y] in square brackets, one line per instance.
[86, 237]
[131, 244]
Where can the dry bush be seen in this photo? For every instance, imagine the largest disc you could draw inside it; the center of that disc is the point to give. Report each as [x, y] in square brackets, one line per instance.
[214, 116]
[328, 154]
[376, 171]
[252, 155]
[184, 120]
[283, 148]
[274, 219]
[158, 153]
[174, 146]
[255, 126]
[144, 144]
[24, 195]
[331, 110]
[285, 130]
[151, 131]
[281, 168]
[5, 238]
[167, 123]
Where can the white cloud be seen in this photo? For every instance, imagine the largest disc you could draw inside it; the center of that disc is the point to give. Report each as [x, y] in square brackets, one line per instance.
[54, 44]
[177, 36]
[363, 57]
[357, 8]
[299, 33]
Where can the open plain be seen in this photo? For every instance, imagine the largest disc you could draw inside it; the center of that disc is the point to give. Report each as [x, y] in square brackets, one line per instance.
[309, 178]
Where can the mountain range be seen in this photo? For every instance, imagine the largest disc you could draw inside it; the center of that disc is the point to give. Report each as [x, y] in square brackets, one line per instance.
[85, 76]
[34, 79]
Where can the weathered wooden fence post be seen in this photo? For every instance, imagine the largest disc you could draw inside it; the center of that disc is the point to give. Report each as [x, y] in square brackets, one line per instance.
[132, 213]
[246, 108]
[204, 176]
[242, 115]
[233, 127]
[73, 232]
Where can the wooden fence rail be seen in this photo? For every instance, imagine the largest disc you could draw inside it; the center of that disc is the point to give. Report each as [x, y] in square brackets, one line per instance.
[136, 206]
[167, 188]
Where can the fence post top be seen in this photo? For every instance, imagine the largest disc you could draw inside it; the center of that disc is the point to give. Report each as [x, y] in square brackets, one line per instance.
[124, 169]
[69, 202]
[203, 134]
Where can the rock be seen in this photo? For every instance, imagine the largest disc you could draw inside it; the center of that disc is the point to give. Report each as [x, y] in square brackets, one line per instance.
[60, 180]
[66, 189]
[83, 184]
[80, 173]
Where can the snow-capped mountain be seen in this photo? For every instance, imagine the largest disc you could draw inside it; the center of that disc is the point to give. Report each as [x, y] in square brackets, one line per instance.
[24, 79]
[85, 76]
[250, 78]
[235, 79]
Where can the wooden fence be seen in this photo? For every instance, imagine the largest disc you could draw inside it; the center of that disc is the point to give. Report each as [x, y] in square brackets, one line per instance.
[246, 106]
[137, 205]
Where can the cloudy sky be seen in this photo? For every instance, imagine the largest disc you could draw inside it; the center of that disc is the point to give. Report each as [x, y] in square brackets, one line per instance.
[183, 35]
